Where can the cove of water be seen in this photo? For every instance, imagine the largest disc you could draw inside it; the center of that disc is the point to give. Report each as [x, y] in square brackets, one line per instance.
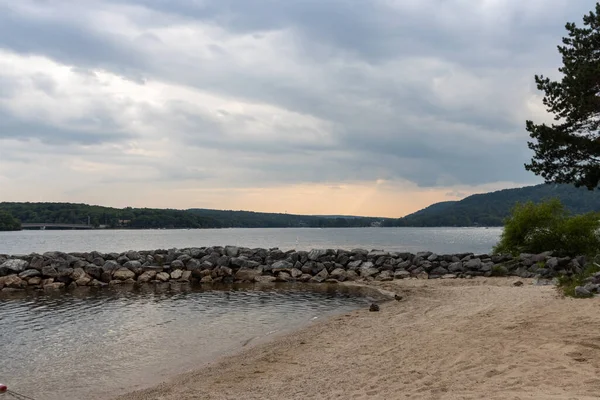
[94, 344]
[438, 240]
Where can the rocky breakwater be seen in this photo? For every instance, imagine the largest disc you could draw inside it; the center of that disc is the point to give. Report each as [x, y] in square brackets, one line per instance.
[229, 264]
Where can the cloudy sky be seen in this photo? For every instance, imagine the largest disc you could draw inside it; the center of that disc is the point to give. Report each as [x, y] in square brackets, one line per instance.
[365, 107]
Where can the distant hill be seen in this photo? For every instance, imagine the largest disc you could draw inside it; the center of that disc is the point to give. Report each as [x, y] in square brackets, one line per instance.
[490, 209]
[144, 218]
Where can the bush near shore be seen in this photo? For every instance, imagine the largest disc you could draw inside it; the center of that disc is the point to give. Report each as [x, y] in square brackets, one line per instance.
[548, 226]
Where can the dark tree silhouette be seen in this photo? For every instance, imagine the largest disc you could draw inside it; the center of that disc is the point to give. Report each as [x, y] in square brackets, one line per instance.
[568, 151]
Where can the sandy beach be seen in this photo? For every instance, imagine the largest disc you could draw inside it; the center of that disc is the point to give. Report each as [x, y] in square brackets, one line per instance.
[447, 339]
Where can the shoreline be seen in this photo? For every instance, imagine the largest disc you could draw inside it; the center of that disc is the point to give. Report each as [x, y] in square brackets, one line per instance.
[447, 339]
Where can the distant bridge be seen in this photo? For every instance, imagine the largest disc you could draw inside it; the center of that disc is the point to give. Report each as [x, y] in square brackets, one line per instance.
[41, 225]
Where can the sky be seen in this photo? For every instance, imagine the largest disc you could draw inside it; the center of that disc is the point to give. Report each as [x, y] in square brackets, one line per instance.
[357, 107]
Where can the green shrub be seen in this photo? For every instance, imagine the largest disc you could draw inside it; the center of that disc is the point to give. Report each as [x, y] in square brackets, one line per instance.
[499, 270]
[547, 226]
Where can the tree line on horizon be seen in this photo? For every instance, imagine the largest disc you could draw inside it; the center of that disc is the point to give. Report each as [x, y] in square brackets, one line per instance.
[151, 218]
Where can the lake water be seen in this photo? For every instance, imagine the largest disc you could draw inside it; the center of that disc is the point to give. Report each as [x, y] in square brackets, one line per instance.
[439, 240]
[96, 344]
[87, 344]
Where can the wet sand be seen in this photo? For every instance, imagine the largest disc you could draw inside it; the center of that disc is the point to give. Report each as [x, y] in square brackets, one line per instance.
[447, 339]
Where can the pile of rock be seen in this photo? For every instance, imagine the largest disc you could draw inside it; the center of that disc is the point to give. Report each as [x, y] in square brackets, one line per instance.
[591, 287]
[55, 270]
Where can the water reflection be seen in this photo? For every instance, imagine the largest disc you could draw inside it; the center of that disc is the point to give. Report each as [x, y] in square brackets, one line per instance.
[90, 343]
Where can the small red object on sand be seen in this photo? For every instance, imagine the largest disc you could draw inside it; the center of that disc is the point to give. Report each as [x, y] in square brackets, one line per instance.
[3, 388]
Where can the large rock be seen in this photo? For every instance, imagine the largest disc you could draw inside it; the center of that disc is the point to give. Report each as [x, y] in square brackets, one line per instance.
[296, 273]
[354, 265]
[13, 281]
[581, 291]
[83, 281]
[247, 274]
[283, 277]
[110, 266]
[315, 254]
[185, 276]
[385, 276]
[77, 273]
[281, 265]
[14, 265]
[320, 277]
[339, 274]
[176, 274]
[351, 275]
[401, 274]
[374, 254]
[49, 271]
[438, 271]
[162, 276]
[134, 266]
[36, 280]
[29, 273]
[133, 255]
[177, 264]
[239, 262]
[474, 265]
[123, 273]
[147, 276]
[93, 270]
[367, 270]
[232, 251]
[456, 267]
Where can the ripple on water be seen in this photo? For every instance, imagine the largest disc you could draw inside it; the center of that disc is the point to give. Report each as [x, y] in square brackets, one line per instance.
[121, 339]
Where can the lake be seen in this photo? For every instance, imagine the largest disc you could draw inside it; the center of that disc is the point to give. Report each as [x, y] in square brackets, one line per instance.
[96, 344]
[93, 344]
[439, 240]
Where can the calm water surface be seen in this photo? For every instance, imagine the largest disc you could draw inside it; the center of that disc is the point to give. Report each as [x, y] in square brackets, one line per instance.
[93, 345]
[439, 240]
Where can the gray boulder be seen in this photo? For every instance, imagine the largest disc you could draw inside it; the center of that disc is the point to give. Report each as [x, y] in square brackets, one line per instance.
[315, 254]
[110, 266]
[14, 265]
[320, 277]
[456, 267]
[581, 291]
[232, 251]
[281, 265]
[29, 273]
[474, 265]
[133, 255]
[439, 271]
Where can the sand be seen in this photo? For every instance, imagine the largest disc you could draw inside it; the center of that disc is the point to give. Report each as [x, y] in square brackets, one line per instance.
[452, 339]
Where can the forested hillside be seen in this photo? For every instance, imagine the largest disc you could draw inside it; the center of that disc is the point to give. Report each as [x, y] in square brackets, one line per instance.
[490, 209]
[72, 213]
